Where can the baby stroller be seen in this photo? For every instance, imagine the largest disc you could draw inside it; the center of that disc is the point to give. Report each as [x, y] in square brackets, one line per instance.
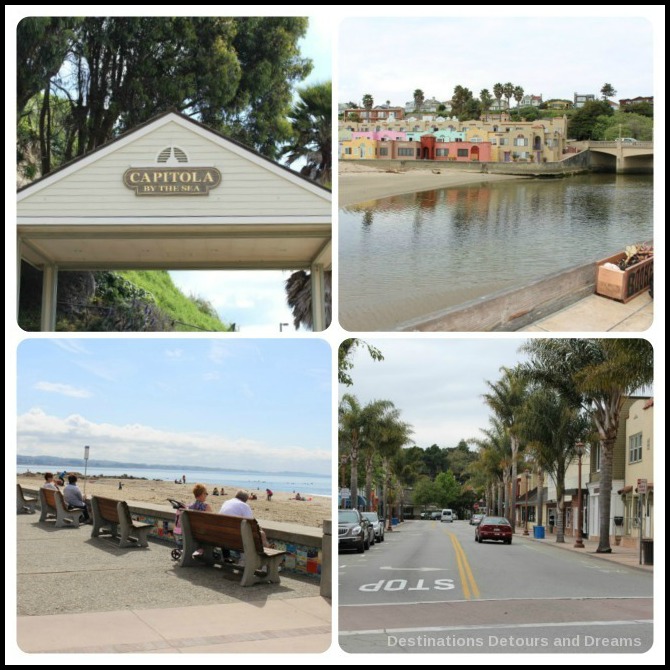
[179, 507]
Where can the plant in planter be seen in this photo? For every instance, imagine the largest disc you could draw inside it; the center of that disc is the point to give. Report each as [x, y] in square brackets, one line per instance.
[627, 274]
[635, 254]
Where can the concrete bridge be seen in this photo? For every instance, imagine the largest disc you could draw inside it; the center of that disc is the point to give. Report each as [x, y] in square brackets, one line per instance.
[623, 157]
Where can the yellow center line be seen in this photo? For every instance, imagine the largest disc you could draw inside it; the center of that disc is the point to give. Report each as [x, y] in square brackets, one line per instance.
[464, 569]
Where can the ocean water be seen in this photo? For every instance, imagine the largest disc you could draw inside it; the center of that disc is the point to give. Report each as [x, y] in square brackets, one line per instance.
[305, 484]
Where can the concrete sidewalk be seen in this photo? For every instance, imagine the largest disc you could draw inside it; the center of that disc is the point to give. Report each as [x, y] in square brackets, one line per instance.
[77, 594]
[598, 314]
[628, 556]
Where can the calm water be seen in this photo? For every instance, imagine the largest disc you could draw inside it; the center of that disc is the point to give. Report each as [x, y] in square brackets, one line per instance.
[405, 256]
[306, 484]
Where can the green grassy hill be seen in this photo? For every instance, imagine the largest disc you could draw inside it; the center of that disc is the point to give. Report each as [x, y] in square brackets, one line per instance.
[188, 313]
[130, 301]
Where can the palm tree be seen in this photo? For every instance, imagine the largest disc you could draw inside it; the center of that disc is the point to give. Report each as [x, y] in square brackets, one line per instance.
[506, 399]
[496, 460]
[498, 90]
[486, 100]
[368, 101]
[299, 298]
[418, 99]
[312, 135]
[392, 435]
[551, 426]
[508, 91]
[351, 425]
[596, 375]
[518, 94]
[378, 414]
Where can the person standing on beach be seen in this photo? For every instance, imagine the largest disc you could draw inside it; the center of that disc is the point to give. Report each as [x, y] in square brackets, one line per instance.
[74, 498]
[268, 493]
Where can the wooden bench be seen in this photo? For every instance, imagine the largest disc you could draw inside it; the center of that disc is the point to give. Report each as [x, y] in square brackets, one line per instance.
[207, 531]
[53, 504]
[114, 517]
[24, 505]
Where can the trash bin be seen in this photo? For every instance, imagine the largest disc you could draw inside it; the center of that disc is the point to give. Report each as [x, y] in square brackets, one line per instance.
[394, 521]
[647, 547]
[538, 532]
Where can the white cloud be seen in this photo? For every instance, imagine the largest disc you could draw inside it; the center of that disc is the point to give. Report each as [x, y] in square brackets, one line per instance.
[63, 389]
[41, 434]
[174, 353]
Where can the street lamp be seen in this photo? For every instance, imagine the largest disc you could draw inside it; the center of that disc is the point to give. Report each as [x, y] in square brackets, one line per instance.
[86, 450]
[525, 529]
[579, 448]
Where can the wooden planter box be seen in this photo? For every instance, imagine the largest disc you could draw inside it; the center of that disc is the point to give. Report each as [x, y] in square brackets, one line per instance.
[626, 285]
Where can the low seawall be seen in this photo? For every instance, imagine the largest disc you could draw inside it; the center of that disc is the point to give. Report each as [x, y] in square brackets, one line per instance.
[576, 164]
[308, 550]
[512, 309]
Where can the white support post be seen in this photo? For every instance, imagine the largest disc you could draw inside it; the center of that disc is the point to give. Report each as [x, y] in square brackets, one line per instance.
[318, 297]
[49, 294]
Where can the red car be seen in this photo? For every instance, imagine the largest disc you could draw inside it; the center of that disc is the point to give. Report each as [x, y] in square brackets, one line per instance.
[494, 528]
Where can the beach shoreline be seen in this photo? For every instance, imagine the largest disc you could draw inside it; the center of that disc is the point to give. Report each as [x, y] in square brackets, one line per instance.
[283, 507]
[359, 183]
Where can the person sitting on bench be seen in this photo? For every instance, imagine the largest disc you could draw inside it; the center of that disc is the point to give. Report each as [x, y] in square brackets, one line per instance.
[73, 497]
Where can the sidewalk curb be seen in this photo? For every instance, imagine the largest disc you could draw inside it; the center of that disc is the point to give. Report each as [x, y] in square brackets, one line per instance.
[602, 557]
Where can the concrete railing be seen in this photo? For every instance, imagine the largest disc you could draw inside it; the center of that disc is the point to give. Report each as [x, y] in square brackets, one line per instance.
[308, 550]
[512, 309]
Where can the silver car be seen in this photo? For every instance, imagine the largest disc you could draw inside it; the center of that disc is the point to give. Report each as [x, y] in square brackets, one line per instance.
[377, 524]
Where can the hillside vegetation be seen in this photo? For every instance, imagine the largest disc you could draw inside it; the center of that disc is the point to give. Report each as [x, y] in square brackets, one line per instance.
[130, 301]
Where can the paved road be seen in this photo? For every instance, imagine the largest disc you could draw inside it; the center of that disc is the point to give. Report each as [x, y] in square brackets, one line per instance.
[430, 587]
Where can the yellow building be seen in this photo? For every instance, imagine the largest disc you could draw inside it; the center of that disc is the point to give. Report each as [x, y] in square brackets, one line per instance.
[639, 506]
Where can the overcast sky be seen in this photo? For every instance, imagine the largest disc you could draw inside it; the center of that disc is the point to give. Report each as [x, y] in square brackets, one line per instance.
[553, 56]
[436, 384]
[259, 404]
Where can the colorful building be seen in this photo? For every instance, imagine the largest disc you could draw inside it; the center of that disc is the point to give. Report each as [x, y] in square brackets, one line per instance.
[638, 506]
[497, 140]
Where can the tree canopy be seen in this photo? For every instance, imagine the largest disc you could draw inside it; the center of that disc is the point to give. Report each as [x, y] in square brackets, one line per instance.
[235, 74]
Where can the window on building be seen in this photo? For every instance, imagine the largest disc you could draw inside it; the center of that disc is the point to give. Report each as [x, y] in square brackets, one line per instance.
[635, 448]
[347, 151]
[442, 152]
[504, 141]
[405, 152]
[462, 153]
[383, 151]
[520, 141]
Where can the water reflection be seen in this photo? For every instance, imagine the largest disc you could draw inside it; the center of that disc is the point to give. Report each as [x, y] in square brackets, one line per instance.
[438, 248]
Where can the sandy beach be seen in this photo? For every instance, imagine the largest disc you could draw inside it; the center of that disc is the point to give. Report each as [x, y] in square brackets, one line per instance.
[310, 512]
[357, 183]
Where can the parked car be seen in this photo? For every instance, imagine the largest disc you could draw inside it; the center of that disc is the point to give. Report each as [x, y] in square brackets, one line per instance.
[494, 528]
[353, 530]
[436, 516]
[475, 519]
[626, 139]
[377, 525]
[447, 515]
